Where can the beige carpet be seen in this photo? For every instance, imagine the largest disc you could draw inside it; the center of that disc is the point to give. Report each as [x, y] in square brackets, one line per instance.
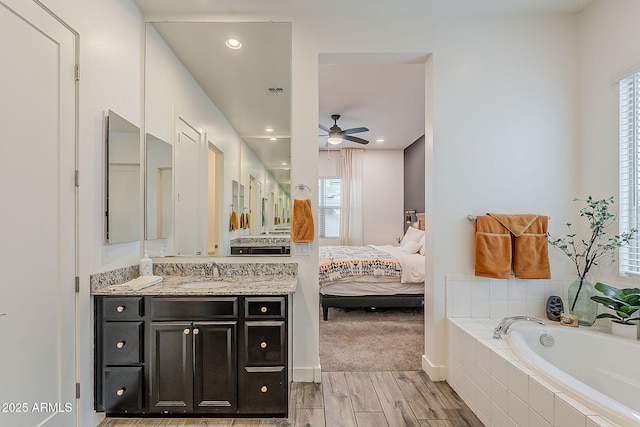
[383, 340]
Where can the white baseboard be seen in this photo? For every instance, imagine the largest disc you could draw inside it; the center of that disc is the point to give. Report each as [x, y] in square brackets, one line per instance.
[435, 372]
[307, 375]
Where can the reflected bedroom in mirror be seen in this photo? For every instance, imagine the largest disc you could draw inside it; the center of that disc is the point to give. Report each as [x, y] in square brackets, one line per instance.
[217, 118]
[122, 180]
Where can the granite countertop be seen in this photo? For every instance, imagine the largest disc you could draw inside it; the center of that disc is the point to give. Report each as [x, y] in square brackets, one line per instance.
[262, 240]
[279, 284]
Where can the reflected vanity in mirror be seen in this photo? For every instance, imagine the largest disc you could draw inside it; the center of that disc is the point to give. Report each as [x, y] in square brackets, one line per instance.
[225, 114]
[122, 180]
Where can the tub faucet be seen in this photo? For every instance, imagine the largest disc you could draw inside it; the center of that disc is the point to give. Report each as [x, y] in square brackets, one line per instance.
[503, 327]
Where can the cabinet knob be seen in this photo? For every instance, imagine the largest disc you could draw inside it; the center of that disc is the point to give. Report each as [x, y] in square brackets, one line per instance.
[196, 331]
[263, 344]
[263, 309]
[120, 392]
[120, 344]
[120, 308]
[187, 331]
[263, 389]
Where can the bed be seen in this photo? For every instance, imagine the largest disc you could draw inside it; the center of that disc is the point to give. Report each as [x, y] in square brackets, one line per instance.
[373, 276]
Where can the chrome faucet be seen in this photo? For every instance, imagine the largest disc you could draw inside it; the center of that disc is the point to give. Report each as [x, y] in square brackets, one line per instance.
[209, 271]
[503, 327]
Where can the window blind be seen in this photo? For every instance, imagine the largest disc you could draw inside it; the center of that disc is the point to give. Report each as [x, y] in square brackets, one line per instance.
[329, 208]
[629, 140]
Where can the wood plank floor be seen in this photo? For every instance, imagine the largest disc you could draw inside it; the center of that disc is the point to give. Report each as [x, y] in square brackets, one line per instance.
[349, 399]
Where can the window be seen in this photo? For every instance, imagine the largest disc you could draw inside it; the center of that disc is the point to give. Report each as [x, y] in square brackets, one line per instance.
[630, 170]
[329, 208]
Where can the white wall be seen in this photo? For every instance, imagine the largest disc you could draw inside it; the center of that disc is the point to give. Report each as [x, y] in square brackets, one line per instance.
[608, 50]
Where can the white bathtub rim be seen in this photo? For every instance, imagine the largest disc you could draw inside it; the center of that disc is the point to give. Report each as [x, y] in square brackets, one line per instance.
[567, 384]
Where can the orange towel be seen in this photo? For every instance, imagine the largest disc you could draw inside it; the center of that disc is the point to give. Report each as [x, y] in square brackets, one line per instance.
[501, 239]
[233, 221]
[302, 229]
[492, 249]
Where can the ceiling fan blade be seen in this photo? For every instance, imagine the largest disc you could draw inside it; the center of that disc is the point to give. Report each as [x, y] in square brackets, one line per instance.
[355, 139]
[324, 128]
[355, 130]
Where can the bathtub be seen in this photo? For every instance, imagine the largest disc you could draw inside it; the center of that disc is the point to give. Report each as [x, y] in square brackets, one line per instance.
[600, 370]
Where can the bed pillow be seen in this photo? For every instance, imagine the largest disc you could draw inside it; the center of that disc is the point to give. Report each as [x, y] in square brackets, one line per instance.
[412, 235]
[411, 247]
[421, 242]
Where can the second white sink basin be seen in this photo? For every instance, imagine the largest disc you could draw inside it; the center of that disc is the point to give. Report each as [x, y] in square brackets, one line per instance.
[203, 285]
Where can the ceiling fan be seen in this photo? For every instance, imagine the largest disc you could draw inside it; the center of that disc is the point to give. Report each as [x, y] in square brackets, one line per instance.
[336, 135]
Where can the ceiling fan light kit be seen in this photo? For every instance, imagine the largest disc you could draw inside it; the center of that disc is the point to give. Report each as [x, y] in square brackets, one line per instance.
[337, 135]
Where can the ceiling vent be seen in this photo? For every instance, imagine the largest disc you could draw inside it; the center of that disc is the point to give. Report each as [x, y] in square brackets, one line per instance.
[275, 91]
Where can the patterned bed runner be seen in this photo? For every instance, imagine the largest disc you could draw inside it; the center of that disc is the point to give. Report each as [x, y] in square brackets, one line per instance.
[341, 262]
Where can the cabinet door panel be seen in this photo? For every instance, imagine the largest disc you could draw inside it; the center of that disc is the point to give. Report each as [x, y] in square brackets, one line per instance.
[265, 343]
[122, 389]
[215, 376]
[264, 391]
[171, 369]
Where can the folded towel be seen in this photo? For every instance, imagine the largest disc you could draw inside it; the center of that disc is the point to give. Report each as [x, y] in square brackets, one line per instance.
[531, 252]
[302, 228]
[492, 249]
[503, 240]
[233, 221]
[143, 282]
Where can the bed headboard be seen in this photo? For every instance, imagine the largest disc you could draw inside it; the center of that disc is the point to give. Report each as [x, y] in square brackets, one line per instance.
[420, 217]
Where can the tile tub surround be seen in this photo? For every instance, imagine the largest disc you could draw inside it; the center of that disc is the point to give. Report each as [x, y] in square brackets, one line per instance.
[471, 296]
[179, 272]
[500, 389]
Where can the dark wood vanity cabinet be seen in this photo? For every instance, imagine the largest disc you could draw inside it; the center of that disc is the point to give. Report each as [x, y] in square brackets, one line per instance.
[226, 355]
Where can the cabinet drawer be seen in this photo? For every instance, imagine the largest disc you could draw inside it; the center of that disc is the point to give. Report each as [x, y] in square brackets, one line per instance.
[264, 391]
[122, 343]
[265, 343]
[264, 307]
[196, 308]
[122, 389]
[122, 308]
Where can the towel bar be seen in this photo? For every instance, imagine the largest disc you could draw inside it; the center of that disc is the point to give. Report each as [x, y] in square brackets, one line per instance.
[473, 217]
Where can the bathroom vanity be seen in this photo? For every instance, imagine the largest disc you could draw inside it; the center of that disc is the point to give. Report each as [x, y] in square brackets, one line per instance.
[206, 348]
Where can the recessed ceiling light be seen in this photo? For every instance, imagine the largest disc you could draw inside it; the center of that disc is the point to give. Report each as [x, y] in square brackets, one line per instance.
[380, 140]
[233, 44]
[269, 130]
[284, 163]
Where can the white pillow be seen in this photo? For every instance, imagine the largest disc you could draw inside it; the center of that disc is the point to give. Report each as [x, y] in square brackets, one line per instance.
[412, 235]
[421, 242]
[411, 247]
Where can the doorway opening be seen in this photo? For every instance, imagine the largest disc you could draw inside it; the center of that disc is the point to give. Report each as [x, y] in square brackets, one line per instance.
[215, 181]
[381, 98]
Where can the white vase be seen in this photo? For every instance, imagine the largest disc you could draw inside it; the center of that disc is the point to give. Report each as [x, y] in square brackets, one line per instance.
[625, 330]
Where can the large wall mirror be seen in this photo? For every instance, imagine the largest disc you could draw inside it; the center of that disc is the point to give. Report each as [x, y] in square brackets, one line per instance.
[217, 114]
[122, 178]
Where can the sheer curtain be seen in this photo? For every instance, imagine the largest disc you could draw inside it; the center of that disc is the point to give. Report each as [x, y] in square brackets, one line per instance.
[351, 212]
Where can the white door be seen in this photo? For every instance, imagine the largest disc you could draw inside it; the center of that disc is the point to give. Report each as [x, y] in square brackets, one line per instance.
[37, 218]
[187, 187]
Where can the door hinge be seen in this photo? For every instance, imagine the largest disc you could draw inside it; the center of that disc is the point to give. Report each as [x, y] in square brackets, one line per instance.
[77, 284]
[76, 178]
[76, 72]
[77, 390]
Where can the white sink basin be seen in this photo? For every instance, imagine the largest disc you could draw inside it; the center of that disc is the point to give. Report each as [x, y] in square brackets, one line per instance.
[203, 285]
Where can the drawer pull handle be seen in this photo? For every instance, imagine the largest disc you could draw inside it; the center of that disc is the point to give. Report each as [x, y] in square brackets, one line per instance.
[263, 389]
[263, 309]
[187, 331]
[120, 308]
[120, 344]
[196, 331]
[263, 344]
[120, 392]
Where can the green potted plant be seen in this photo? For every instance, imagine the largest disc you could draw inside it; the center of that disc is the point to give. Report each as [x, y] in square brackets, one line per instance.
[624, 303]
[589, 252]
